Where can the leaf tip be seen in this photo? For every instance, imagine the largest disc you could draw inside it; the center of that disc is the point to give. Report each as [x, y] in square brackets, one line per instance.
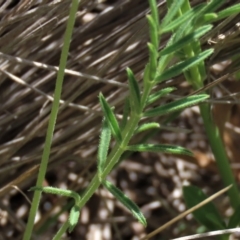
[73, 218]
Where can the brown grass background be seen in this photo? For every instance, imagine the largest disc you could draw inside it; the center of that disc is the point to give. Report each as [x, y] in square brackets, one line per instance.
[108, 37]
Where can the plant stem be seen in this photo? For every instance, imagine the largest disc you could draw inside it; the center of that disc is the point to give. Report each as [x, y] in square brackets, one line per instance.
[220, 154]
[113, 158]
[52, 119]
[61, 231]
[196, 77]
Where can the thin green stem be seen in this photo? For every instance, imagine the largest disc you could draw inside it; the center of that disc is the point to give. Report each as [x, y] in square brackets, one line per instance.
[194, 71]
[112, 160]
[220, 154]
[61, 231]
[189, 52]
[52, 119]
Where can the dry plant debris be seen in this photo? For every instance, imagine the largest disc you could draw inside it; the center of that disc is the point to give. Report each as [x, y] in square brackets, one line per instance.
[108, 37]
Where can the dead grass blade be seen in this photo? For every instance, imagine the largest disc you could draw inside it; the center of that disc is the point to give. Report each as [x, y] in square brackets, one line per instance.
[209, 234]
[184, 214]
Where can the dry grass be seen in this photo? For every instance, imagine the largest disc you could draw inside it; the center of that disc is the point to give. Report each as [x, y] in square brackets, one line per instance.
[108, 37]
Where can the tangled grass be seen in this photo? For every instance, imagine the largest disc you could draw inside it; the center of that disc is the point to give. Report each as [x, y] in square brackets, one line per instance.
[108, 37]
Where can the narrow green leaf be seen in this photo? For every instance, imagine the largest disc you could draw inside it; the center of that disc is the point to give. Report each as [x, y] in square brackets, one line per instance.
[159, 148]
[186, 40]
[155, 96]
[58, 191]
[206, 18]
[176, 105]
[73, 218]
[110, 117]
[183, 66]
[135, 99]
[182, 19]
[127, 202]
[172, 11]
[126, 111]
[210, 17]
[211, 7]
[153, 55]
[234, 219]
[207, 215]
[154, 11]
[105, 139]
[153, 31]
[164, 60]
[146, 75]
[181, 31]
[147, 126]
[229, 11]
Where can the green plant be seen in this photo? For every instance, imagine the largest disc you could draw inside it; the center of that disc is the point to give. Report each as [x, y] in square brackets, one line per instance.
[138, 105]
[52, 119]
[196, 75]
